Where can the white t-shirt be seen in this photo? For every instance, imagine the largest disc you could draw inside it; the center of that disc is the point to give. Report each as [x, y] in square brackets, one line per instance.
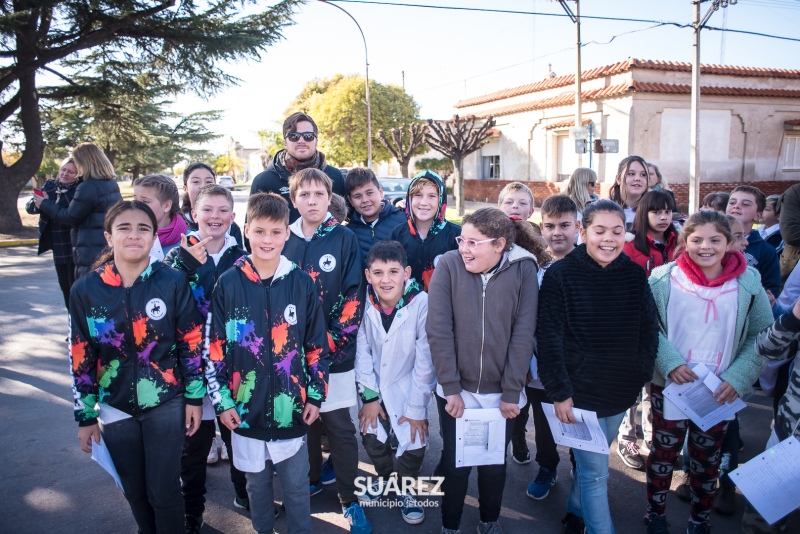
[341, 391]
[250, 455]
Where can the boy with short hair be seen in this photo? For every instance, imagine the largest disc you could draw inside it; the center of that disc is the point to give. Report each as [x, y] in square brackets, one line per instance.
[770, 228]
[268, 366]
[374, 217]
[717, 201]
[213, 214]
[559, 228]
[427, 234]
[330, 254]
[516, 199]
[394, 371]
[746, 204]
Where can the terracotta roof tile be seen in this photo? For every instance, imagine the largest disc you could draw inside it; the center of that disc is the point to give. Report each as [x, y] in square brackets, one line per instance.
[624, 66]
[568, 99]
[565, 124]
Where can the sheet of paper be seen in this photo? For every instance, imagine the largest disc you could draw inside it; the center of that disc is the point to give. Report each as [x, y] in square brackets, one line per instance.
[480, 437]
[696, 399]
[585, 434]
[101, 455]
[770, 480]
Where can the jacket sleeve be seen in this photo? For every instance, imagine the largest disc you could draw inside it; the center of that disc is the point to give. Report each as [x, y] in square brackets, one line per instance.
[217, 357]
[771, 269]
[775, 341]
[667, 357]
[31, 208]
[440, 329]
[551, 325]
[523, 336]
[423, 378]
[317, 357]
[83, 355]
[78, 210]
[189, 344]
[746, 365]
[648, 334]
[346, 315]
[366, 381]
[790, 216]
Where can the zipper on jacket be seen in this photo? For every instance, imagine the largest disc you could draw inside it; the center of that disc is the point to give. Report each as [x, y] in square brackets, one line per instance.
[273, 382]
[483, 330]
[129, 335]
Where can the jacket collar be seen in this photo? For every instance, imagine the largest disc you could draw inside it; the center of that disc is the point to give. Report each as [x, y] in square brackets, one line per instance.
[325, 228]
[412, 289]
[111, 277]
[245, 264]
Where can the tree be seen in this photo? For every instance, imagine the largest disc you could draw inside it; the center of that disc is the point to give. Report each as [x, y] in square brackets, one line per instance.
[183, 43]
[402, 153]
[338, 106]
[457, 138]
[441, 166]
[271, 142]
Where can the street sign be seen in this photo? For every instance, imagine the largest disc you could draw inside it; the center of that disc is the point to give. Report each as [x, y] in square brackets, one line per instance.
[581, 146]
[606, 146]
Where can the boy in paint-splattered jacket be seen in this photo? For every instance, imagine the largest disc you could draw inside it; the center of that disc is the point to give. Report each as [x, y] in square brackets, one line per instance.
[267, 355]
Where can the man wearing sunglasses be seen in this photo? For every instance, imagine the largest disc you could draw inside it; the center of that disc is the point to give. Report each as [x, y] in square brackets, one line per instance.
[300, 138]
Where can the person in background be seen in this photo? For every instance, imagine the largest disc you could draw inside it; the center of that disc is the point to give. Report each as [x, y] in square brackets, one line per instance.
[338, 208]
[373, 217]
[770, 228]
[746, 204]
[54, 236]
[581, 188]
[657, 182]
[717, 201]
[161, 194]
[97, 192]
[300, 135]
[516, 200]
[195, 176]
[630, 185]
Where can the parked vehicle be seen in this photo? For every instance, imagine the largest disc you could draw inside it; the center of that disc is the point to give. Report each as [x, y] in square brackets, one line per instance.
[394, 187]
[227, 182]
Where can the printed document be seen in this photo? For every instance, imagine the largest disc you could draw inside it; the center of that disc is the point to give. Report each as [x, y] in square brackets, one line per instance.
[770, 480]
[584, 434]
[696, 399]
[480, 437]
[101, 455]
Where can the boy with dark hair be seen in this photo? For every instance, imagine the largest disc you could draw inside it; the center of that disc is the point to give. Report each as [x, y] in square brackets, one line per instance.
[374, 217]
[427, 234]
[267, 365]
[394, 372]
[746, 204]
[213, 213]
[329, 253]
[717, 201]
[559, 230]
[770, 228]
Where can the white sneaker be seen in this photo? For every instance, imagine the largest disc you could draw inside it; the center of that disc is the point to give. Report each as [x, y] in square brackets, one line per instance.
[213, 454]
[223, 450]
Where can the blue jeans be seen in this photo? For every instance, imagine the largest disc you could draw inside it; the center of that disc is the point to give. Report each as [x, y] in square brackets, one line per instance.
[588, 497]
[293, 476]
[147, 454]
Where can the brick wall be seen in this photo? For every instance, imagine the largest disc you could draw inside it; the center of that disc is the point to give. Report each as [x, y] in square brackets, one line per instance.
[488, 190]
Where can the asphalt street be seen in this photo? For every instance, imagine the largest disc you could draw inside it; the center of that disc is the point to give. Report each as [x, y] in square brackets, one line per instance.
[51, 486]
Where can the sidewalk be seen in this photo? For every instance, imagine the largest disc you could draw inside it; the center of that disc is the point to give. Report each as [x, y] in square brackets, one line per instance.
[51, 486]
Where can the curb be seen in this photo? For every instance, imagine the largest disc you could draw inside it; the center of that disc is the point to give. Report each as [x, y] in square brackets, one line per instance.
[18, 242]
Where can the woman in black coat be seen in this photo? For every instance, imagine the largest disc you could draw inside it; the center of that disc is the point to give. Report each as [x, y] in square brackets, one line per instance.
[55, 236]
[94, 195]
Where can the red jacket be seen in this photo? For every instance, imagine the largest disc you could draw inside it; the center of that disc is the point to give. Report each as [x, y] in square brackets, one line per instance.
[657, 256]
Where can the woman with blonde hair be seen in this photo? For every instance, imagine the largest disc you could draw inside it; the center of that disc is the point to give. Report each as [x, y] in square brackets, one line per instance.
[97, 192]
[630, 185]
[581, 187]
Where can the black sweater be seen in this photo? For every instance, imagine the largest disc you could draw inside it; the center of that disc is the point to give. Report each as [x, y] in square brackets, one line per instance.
[597, 332]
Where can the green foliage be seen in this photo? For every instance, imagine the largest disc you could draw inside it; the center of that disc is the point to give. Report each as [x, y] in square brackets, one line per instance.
[338, 106]
[271, 141]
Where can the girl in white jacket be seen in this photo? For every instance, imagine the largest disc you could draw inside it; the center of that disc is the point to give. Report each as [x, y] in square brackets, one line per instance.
[394, 373]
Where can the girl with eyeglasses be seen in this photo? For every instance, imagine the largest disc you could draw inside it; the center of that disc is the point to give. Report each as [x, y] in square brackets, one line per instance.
[481, 339]
[595, 288]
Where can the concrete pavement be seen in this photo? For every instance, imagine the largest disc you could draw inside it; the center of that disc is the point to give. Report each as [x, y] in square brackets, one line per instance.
[51, 486]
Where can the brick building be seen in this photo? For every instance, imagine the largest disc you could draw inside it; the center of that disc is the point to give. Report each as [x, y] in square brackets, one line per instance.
[749, 127]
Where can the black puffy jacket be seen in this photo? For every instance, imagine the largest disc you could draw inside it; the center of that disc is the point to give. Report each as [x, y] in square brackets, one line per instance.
[370, 233]
[85, 214]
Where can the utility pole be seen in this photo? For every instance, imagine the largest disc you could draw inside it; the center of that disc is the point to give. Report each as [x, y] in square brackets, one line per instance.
[694, 137]
[576, 18]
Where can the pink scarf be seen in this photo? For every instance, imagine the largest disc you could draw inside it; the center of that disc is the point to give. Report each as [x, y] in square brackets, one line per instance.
[171, 234]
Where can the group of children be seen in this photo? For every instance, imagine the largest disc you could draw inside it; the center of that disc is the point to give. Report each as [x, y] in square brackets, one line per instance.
[322, 317]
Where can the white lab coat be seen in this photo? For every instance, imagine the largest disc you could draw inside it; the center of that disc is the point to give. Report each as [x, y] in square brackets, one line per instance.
[397, 364]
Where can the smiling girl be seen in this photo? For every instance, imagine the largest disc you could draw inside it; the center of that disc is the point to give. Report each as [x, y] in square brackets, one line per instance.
[481, 341]
[135, 350]
[630, 185]
[595, 288]
[160, 194]
[711, 307]
[653, 237]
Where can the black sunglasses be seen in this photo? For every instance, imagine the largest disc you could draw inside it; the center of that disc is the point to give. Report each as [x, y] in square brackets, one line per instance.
[592, 184]
[295, 136]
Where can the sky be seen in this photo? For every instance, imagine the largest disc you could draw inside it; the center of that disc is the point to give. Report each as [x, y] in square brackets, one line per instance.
[441, 56]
